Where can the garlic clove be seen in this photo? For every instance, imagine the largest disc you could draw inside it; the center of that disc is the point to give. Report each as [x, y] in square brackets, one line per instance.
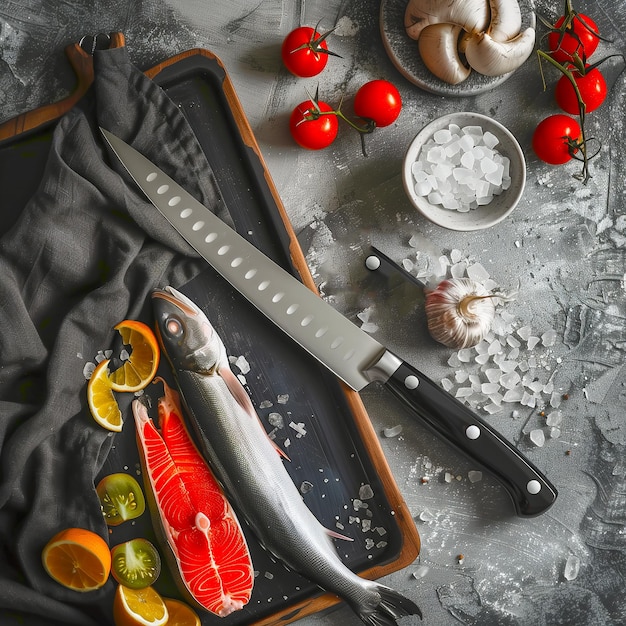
[439, 48]
[471, 15]
[459, 312]
[506, 19]
[496, 58]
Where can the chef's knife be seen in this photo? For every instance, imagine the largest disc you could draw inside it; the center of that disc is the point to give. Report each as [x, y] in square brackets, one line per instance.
[353, 355]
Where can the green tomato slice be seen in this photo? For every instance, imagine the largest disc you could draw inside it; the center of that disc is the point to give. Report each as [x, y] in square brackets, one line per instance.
[135, 563]
[121, 498]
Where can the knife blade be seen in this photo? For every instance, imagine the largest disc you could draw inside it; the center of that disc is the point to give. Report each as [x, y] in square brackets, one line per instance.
[350, 353]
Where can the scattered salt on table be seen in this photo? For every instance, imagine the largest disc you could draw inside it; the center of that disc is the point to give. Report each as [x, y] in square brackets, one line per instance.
[276, 420]
[554, 418]
[572, 567]
[393, 431]
[366, 492]
[475, 476]
[299, 428]
[420, 572]
[88, 369]
[537, 436]
[548, 338]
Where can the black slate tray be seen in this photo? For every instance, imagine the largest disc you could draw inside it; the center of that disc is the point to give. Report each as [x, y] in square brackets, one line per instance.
[338, 460]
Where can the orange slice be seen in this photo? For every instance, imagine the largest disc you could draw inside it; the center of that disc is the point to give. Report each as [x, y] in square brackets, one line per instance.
[181, 614]
[101, 400]
[78, 559]
[140, 368]
[139, 607]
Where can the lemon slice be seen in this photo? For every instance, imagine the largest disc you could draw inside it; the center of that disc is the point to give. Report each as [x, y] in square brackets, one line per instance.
[139, 607]
[101, 400]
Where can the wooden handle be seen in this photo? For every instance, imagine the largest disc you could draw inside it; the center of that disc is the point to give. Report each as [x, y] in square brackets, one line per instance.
[82, 64]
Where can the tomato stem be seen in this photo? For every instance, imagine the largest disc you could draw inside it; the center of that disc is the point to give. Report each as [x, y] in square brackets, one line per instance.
[315, 43]
[368, 127]
[576, 145]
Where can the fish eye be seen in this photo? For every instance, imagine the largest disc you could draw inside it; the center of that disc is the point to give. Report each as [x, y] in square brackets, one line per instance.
[174, 327]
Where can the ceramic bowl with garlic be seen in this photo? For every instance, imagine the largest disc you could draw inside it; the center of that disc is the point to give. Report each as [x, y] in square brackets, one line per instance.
[464, 171]
[427, 42]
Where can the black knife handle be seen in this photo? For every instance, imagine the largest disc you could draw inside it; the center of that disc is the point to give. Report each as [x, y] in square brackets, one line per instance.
[532, 493]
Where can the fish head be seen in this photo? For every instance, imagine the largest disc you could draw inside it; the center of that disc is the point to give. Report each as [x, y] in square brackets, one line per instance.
[186, 336]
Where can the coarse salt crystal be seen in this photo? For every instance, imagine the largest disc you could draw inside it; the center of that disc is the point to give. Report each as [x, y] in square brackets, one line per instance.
[243, 365]
[299, 428]
[477, 272]
[442, 136]
[572, 567]
[490, 140]
[493, 375]
[514, 395]
[548, 338]
[434, 197]
[475, 476]
[461, 376]
[420, 572]
[447, 384]
[488, 388]
[487, 166]
[88, 369]
[510, 380]
[464, 355]
[492, 408]
[554, 418]
[276, 420]
[366, 492]
[393, 431]
[532, 342]
[537, 436]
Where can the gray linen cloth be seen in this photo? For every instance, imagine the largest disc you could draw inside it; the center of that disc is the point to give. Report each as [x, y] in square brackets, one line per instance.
[84, 254]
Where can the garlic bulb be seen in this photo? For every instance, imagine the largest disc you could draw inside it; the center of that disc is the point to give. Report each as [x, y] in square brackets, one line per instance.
[459, 312]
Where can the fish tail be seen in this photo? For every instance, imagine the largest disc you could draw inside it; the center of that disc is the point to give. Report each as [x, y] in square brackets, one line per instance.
[391, 607]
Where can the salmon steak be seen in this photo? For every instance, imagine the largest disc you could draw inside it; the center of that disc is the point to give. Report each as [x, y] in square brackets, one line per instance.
[204, 541]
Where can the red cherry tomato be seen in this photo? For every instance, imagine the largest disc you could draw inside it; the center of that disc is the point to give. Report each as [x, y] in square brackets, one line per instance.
[592, 88]
[313, 129]
[378, 101]
[552, 138]
[576, 39]
[304, 52]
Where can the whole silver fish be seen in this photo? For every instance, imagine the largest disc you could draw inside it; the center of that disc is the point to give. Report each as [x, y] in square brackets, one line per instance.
[247, 463]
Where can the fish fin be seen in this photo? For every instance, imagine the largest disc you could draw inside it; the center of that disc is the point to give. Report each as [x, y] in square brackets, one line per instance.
[169, 402]
[335, 535]
[391, 607]
[237, 391]
[243, 399]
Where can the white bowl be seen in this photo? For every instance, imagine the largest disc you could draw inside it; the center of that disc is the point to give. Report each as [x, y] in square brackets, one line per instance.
[483, 216]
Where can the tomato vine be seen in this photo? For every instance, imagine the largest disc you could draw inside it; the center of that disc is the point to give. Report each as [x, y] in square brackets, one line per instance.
[572, 39]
